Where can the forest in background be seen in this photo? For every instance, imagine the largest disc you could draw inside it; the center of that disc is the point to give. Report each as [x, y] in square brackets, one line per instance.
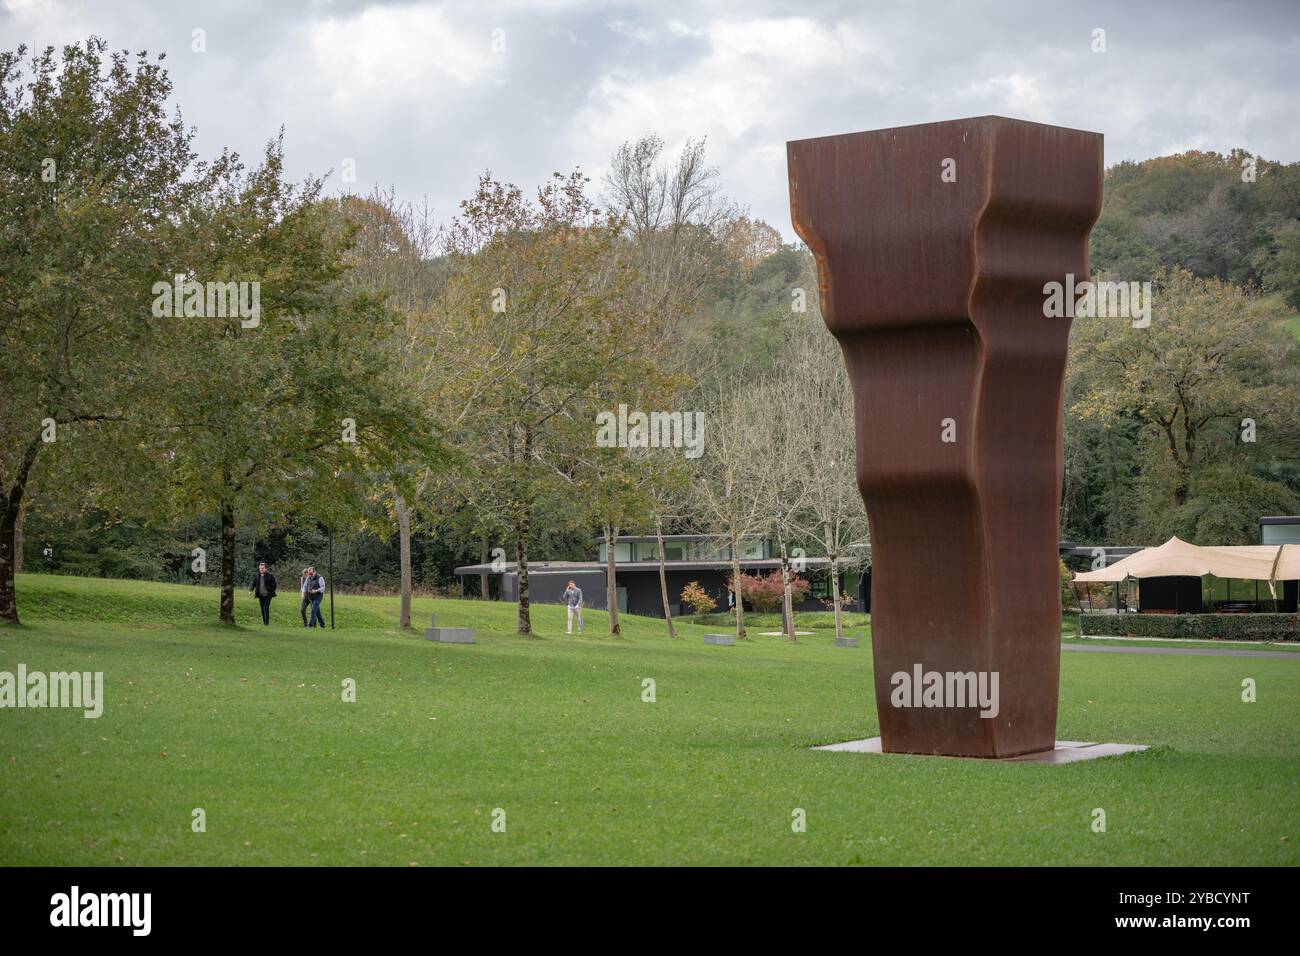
[1189, 211]
[1186, 427]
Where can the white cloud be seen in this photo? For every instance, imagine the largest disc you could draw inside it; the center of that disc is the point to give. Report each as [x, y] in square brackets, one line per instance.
[387, 52]
[413, 92]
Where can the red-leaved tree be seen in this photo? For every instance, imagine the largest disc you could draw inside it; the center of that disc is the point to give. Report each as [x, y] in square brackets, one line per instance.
[765, 591]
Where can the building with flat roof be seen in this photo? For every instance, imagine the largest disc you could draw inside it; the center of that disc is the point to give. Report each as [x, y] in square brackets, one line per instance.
[1282, 529]
[705, 559]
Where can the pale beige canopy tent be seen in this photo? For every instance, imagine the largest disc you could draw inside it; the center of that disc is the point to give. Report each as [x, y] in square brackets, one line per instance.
[1176, 558]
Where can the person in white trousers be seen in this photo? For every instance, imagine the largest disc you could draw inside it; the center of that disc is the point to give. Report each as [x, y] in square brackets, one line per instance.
[573, 598]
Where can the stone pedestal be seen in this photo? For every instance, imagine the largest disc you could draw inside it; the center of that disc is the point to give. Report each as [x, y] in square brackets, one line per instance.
[1064, 751]
[448, 635]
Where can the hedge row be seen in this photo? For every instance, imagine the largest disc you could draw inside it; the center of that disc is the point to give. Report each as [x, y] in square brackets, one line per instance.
[802, 619]
[1202, 627]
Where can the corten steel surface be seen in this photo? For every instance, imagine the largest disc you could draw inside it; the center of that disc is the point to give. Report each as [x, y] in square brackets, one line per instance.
[935, 292]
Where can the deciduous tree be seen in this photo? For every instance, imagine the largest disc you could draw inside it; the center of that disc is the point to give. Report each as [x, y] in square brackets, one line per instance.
[93, 178]
[541, 284]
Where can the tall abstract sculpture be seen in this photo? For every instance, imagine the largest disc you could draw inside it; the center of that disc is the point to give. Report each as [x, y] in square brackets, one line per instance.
[933, 245]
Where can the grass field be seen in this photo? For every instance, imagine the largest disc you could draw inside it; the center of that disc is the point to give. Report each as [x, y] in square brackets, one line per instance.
[1291, 322]
[249, 725]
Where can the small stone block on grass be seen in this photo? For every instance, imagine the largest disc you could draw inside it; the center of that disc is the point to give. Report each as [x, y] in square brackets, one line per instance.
[846, 642]
[450, 635]
[722, 639]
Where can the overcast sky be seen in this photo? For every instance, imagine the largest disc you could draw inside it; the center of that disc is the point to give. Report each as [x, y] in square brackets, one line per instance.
[424, 96]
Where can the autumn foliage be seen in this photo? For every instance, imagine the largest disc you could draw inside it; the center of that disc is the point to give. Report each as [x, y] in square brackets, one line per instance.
[697, 599]
[764, 591]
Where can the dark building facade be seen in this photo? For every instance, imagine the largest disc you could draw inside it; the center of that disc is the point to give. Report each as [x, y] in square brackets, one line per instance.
[703, 559]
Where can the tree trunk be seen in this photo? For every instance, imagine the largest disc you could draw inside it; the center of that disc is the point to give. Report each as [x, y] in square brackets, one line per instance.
[404, 558]
[521, 543]
[483, 583]
[787, 604]
[11, 504]
[735, 586]
[18, 538]
[835, 599]
[227, 563]
[521, 555]
[663, 576]
[835, 582]
[1182, 464]
[611, 581]
[8, 523]
[1181, 489]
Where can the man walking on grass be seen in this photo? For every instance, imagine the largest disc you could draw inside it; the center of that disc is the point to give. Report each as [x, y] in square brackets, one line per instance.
[264, 587]
[573, 598]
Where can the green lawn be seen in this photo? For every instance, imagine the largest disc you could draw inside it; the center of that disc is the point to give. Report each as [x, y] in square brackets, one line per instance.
[249, 725]
[1288, 646]
[1291, 322]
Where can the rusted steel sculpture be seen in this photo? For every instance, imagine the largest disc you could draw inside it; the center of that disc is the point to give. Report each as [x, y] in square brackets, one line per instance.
[933, 245]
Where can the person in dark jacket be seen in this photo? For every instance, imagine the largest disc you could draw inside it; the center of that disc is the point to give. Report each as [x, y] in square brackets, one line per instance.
[264, 587]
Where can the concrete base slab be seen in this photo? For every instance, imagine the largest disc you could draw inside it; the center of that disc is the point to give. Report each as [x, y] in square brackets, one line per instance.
[1066, 751]
[846, 642]
[725, 640]
[450, 635]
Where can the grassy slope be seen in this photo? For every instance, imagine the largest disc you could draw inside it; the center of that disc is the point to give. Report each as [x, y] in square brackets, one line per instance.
[249, 725]
[1289, 322]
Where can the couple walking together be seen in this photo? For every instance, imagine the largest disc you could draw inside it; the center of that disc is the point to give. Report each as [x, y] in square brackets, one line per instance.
[311, 589]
